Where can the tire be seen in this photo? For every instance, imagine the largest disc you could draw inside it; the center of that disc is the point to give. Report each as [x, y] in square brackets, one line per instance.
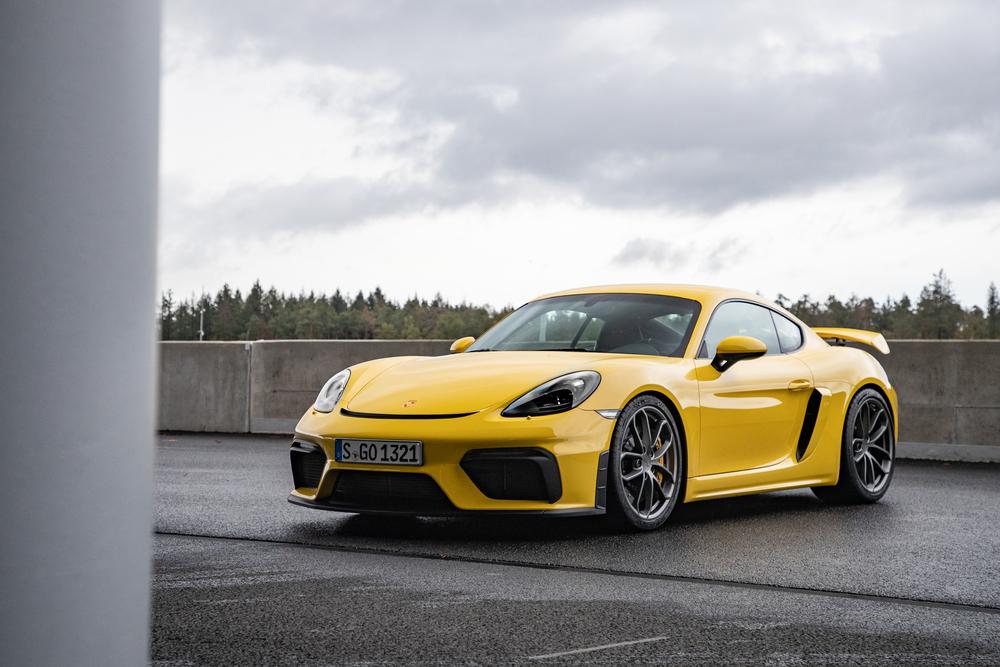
[867, 452]
[644, 488]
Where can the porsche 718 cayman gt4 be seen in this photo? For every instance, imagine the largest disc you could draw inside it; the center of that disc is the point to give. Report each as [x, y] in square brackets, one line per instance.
[622, 400]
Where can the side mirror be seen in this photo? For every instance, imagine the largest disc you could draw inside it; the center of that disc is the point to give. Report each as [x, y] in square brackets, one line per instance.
[462, 344]
[737, 348]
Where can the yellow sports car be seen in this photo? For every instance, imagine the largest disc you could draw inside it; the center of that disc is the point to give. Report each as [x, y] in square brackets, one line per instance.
[622, 400]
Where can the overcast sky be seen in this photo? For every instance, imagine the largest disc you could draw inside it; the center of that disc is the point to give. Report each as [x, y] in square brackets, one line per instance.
[492, 151]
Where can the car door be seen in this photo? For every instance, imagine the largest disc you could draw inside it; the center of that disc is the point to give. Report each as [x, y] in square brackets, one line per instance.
[752, 412]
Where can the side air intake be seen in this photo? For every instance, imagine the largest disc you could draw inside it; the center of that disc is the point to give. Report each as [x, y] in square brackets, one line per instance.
[808, 424]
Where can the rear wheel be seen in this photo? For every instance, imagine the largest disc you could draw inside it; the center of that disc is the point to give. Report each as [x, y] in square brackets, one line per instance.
[646, 467]
[868, 452]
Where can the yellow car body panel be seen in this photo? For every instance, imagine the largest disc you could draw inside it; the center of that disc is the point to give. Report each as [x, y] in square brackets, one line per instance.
[740, 428]
[750, 402]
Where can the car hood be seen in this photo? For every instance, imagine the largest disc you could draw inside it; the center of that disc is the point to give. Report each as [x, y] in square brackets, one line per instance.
[465, 383]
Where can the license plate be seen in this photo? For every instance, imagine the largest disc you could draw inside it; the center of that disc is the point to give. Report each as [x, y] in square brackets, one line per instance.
[384, 452]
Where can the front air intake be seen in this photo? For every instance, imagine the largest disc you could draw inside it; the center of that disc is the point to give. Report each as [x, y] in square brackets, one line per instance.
[410, 493]
[518, 473]
[308, 464]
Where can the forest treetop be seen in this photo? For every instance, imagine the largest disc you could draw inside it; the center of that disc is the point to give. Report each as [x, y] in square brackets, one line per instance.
[268, 314]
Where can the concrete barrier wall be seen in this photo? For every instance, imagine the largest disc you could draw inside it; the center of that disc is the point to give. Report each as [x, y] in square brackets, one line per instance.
[949, 390]
[949, 394]
[205, 387]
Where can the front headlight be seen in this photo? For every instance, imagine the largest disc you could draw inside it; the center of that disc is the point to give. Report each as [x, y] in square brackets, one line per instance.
[331, 392]
[557, 395]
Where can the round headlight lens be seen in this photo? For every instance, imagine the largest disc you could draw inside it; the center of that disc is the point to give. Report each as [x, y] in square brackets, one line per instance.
[331, 392]
[557, 395]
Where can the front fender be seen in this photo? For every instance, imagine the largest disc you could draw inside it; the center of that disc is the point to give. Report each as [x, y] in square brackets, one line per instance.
[672, 379]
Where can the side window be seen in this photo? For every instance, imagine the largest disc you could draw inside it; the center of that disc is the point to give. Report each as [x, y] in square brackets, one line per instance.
[789, 334]
[738, 318]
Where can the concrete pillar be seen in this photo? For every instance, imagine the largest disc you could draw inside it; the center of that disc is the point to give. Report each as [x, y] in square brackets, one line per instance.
[79, 84]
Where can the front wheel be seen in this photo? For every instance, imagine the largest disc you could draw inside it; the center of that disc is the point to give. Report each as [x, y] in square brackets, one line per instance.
[646, 470]
[868, 452]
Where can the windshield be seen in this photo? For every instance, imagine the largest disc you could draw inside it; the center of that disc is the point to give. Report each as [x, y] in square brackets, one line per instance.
[618, 323]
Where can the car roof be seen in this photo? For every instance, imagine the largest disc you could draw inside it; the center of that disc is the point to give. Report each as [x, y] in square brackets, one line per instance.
[707, 295]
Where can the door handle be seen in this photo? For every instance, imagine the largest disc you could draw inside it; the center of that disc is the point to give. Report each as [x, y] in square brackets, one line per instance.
[800, 385]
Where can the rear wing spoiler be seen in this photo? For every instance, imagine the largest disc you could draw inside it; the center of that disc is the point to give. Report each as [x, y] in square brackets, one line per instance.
[869, 338]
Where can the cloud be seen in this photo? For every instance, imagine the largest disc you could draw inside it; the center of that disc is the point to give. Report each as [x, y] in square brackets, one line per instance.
[724, 255]
[711, 258]
[697, 108]
[658, 253]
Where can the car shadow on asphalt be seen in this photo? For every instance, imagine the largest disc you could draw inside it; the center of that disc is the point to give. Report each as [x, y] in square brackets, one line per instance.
[784, 507]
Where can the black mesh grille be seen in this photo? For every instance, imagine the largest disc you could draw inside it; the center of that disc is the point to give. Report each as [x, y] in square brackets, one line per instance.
[308, 463]
[388, 491]
[514, 473]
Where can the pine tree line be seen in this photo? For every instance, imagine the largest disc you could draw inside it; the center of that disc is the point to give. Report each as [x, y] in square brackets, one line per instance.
[937, 314]
[264, 315]
[229, 315]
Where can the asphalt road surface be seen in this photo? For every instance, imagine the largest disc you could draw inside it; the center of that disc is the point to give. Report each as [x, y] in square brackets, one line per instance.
[242, 577]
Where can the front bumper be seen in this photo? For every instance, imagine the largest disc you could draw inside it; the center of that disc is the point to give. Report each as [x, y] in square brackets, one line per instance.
[335, 507]
[460, 474]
